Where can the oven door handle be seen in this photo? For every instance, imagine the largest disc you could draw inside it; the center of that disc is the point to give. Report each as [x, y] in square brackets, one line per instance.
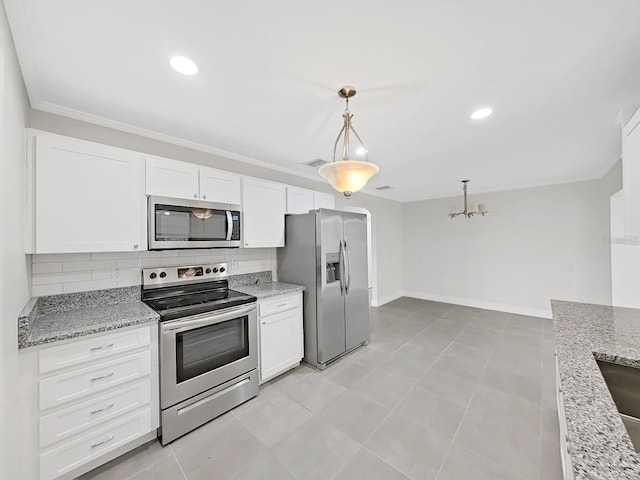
[229, 225]
[178, 326]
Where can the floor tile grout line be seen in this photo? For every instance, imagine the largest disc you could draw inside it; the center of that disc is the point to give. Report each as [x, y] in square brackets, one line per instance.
[173, 453]
[455, 435]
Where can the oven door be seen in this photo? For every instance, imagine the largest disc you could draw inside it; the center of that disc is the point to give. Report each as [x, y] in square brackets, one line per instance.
[177, 223]
[203, 351]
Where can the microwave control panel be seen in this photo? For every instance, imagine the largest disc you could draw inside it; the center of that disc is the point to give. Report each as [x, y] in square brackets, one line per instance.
[235, 232]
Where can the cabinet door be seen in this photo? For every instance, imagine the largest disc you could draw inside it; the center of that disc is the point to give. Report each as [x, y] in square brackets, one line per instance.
[171, 178]
[87, 197]
[263, 207]
[280, 342]
[219, 186]
[631, 174]
[324, 200]
[299, 200]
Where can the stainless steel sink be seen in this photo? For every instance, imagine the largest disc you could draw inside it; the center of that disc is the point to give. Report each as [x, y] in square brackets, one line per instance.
[624, 385]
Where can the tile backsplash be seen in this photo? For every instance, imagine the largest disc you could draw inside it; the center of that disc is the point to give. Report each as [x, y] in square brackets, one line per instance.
[79, 272]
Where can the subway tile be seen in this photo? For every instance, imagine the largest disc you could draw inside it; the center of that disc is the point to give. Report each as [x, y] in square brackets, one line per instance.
[114, 255]
[60, 257]
[176, 261]
[60, 278]
[83, 266]
[39, 268]
[101, 274]
[129, 262]
[129, 282]
[150, 262]
[42, 290]
[72, 287]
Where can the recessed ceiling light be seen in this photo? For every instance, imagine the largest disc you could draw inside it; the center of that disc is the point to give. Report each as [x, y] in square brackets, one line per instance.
[183, 65]
[481, 113]
[360, 151]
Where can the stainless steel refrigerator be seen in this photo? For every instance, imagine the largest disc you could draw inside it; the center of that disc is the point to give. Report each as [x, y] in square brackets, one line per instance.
[326, 251]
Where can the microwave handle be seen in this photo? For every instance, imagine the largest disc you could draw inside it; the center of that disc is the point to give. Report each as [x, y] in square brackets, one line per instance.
[229, 225]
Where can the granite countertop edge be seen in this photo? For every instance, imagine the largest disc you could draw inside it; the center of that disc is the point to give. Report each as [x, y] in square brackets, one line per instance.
[269, 289]
[598, 441]
[56, 318]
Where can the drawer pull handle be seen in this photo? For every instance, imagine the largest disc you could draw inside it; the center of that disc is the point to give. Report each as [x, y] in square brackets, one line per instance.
[95, 349]
[102, 442]
[281, 305]
[94, 379]
[93, 412]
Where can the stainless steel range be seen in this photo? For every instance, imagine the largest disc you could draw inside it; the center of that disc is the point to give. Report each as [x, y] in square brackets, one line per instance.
[208, 344]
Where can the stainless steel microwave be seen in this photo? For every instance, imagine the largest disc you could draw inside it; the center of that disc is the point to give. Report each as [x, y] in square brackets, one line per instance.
[177, 223]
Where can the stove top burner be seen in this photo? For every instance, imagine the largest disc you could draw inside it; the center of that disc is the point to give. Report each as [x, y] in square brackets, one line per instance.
[191, 299]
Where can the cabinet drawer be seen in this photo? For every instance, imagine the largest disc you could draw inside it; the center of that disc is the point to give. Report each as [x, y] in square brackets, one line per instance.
[78, 418]
[77, 353]
[279, 304]
[96, 378]
[74, 453]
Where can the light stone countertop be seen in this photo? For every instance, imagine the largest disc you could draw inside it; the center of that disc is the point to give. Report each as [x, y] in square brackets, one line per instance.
[54, 318]
[269, 289]
[599, 444]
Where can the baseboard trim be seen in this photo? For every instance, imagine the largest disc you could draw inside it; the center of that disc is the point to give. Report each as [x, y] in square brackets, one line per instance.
[378, 302]
[467, 302]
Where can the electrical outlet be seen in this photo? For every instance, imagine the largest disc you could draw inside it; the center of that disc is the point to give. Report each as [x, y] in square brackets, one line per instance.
[234, 264]
[116, 274]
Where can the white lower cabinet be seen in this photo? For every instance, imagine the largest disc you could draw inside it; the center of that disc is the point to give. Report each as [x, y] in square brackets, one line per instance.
[281, 336]
[74, 453]
[90, 401]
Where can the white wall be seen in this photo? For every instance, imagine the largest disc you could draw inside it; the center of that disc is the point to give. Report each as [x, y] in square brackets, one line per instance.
[14, 274]
[386, 214]
[536, 244]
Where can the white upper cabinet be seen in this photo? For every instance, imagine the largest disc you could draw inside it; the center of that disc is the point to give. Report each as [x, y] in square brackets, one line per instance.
[171, 178]
[263, 209]
[176, 179]
[299, 200]
[631, 174]
[83, 197]
[219, 186]
[324, 200]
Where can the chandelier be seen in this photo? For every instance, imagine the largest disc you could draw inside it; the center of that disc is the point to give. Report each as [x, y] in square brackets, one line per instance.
[348, 176]
[470, 209]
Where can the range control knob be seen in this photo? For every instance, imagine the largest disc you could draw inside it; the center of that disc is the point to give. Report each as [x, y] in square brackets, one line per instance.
[163, 274]
[222, 269]
[153, 276]
[215, 269]
[208, 270]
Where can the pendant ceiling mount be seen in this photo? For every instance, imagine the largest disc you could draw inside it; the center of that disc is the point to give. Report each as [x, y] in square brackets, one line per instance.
[346, 175]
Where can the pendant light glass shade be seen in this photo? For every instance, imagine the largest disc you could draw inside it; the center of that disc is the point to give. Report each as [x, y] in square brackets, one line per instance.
[348, 176]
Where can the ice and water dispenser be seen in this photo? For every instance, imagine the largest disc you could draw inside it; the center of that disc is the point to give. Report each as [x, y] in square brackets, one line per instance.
[333, 267]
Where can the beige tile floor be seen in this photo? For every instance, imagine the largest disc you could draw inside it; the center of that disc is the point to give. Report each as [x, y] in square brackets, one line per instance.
[442, 392]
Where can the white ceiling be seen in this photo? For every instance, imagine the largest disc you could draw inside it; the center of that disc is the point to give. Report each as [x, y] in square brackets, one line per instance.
[557, 74]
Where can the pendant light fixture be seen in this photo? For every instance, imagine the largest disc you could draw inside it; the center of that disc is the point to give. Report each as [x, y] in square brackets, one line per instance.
[469, 209]
[346, 175]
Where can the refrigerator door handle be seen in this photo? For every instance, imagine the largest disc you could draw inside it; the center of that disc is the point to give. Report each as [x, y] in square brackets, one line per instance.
[342, 268]
[348, 267]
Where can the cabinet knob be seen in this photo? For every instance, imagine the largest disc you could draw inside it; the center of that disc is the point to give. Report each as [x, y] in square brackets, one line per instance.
[195, 195]
[204, 197]
[135, 245]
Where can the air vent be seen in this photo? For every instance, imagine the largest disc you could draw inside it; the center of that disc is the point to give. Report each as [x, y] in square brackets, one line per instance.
[318, 162]
[384, 187]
